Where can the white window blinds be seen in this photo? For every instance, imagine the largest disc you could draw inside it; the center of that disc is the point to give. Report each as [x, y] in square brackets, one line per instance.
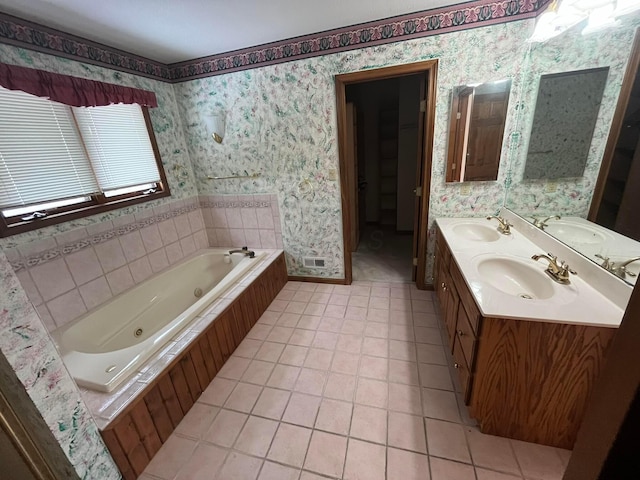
[41, 155]
[118, 143]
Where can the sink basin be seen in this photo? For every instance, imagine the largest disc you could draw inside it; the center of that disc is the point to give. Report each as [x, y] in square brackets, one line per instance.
[476, 232]
[575, 233]
[515, 277]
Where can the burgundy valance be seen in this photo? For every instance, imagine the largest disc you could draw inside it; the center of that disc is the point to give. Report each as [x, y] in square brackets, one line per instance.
[73, 91]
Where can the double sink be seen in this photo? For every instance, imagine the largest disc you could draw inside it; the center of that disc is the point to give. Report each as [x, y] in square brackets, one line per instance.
[506, 282]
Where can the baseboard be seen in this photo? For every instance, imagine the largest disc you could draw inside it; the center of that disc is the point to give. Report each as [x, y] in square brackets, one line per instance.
[334, 281]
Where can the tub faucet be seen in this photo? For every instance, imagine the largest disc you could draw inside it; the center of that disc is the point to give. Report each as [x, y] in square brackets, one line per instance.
[543, 223]
[504, 227]
[245, 251]
[558, 271]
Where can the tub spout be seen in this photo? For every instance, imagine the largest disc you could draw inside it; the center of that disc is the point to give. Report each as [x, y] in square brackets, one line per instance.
[245, 251]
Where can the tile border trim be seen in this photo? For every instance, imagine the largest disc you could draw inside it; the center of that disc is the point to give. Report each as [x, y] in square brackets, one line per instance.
[33, 36]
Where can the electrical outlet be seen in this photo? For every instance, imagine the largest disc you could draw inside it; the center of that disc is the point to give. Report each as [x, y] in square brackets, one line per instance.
[551, 187]
[333, 174]
[465, 189]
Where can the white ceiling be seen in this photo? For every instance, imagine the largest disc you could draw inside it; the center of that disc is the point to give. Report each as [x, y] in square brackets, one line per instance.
[171, 31]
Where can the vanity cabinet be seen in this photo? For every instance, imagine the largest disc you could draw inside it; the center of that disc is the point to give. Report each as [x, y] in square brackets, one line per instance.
[521, 378]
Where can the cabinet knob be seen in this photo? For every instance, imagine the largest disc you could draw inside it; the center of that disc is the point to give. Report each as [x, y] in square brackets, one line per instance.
[456, 365]
[444, 286]
[460, 333]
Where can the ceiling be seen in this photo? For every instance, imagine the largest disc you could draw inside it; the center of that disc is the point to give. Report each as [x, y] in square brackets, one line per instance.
[171, 31]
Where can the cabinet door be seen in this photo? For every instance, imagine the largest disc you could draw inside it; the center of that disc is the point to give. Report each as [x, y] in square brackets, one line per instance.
[452, 303]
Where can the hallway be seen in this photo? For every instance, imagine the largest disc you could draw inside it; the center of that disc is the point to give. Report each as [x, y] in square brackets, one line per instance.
[383, 256]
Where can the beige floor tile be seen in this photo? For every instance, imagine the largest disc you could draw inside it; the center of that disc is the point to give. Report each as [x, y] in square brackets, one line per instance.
[302, 296]
[365, 461]
[269, 318]
[340, 387]
[376, 330]
[271, 403]
[400, 350]
[301, 337]
[318, 358]
[346, 363]
[288, 320]
[349, 343]
[225, 428]
[269, 352]
[326, 454]
[311, 381]
[320, 297]
[435, 376]
[447, 440]
[283, 376]
[538, 461]
[293, 355]
[440, 404]
[442, 469]
[353, 327]
[290, 445]
[336, 311]
[234, 368]
[371, 392]
[428, 335]
[274, 471]
[379, 314]
[311, 476]
[434, 354]
[421, 306]
[239, 466]
[403, 465]
[248, 348]
[359, 288]
[197, 421]
[218, 391]
[258, 372]
[325, 340]
[492, 452]
[401, 317]
[483, 474]
[329, 324]
[376, 347]
[243, 397]
[309, 322]
[369, 423]
[358, 301]
[334, 416]
[380, 292]
[405, 398]
[302, 410]
[280, 334]
[171, 457]
[406, 432]
[260, 331]
[374, 367]
[295, 307]
[424, 319]
[401, 371]
[255, 438]
[356, 313]
[205, 462]
[379, 303]
[337, 299]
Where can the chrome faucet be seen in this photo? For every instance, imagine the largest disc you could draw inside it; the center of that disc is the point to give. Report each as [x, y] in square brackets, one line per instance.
[543, 223]
[618, 269]
[245, 251]
[504, 227]
[559, 272]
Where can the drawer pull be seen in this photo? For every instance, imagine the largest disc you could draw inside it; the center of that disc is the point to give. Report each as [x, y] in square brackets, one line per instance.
[444, 286]
[456, 365]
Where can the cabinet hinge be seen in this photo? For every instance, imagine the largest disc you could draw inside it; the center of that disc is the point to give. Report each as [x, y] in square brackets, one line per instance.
[458, 116]
[423, 105]
[453, 167]
[415, 262]
[418, 191]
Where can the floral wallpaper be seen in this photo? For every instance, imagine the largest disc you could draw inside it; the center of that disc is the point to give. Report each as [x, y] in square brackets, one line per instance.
[571, 51]
[281, 123]
[167, 127]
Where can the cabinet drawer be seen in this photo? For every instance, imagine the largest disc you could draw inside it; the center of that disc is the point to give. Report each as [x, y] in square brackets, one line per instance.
[463, 372]
[466, 297]
[466, 338]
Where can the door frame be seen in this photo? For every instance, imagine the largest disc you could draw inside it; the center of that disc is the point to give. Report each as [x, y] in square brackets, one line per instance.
[430, 69]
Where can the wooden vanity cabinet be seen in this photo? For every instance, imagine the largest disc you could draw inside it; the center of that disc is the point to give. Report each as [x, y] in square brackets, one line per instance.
[523, 379]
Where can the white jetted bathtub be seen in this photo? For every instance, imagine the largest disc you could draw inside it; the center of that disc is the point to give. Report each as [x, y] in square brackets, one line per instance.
[105, 346]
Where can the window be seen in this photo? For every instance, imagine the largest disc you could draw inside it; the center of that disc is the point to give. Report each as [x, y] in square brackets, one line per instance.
[59, 162]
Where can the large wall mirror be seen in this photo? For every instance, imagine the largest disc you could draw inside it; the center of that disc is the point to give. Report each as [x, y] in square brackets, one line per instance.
[606, 239]
[478, 116]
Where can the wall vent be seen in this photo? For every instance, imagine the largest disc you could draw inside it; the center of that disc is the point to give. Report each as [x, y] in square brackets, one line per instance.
[314, 262]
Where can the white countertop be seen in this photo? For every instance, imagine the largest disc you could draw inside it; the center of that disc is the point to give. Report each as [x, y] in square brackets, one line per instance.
[577, 303]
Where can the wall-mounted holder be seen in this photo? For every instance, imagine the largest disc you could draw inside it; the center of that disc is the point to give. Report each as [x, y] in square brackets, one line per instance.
[255, 175]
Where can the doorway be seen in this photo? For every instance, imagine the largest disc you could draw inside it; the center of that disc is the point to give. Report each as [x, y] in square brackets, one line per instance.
[385, 136]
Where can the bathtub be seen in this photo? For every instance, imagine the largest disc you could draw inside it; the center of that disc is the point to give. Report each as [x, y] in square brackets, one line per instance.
[105, 346]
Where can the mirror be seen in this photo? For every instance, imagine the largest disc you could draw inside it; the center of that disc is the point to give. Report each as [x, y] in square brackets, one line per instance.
[570, 197]
[478, 115]
[565, 116]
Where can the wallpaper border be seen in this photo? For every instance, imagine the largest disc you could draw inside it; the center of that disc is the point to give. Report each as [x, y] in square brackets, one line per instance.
[22, 33]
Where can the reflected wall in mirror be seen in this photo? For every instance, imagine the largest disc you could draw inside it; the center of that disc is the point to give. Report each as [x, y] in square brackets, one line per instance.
[478, 115]
[565, 117]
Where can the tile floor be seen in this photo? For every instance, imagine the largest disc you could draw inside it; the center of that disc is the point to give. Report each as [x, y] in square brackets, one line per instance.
[383, 255]
[343, 382]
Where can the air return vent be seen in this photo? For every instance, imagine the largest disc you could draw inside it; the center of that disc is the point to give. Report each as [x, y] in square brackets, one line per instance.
[314, 262]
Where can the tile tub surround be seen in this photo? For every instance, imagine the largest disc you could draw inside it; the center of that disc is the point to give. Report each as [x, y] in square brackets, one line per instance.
[68, 274]
[355, 392]
[237, 220]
